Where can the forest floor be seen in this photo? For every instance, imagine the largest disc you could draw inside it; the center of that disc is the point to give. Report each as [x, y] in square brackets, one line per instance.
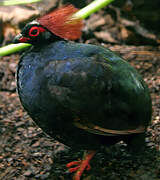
[26, 153]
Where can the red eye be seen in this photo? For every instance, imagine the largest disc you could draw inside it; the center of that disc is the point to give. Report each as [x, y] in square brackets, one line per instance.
[34, 31]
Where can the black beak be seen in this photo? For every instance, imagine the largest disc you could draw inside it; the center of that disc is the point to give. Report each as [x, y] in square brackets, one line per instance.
[17, 38]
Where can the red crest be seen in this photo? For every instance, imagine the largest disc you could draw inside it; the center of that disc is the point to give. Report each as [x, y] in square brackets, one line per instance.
[60, 23]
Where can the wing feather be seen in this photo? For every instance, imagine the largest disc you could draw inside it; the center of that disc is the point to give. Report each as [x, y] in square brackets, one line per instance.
[92, 128]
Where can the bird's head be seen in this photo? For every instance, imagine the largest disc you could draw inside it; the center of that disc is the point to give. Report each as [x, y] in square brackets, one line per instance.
[52, 26]
[34, 33]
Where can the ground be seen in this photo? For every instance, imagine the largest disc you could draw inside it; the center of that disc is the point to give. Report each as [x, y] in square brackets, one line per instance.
[26, 153]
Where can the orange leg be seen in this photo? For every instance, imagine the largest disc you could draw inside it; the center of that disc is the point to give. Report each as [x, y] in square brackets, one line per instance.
[81, 165]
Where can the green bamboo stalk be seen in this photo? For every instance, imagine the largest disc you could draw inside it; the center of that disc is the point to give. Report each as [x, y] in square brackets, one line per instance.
[15, 2]
[81, 14]
[12, 48]
[91, 8]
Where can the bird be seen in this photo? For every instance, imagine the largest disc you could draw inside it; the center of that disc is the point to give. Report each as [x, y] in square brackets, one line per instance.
[83, 95]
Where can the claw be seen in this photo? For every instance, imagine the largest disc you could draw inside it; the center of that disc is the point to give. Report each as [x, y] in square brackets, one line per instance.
[73, 163]
[80, 165]
[77, 164]
[71, 170]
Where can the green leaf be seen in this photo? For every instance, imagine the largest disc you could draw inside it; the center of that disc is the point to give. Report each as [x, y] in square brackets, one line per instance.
[12, 48]
[91, 8]
[15, 2]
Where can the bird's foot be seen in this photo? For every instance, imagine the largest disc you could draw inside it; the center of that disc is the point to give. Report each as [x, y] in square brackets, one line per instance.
[81, 165]
[77, 165]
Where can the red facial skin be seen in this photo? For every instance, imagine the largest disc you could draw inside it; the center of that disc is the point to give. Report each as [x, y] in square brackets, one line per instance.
[33, 32]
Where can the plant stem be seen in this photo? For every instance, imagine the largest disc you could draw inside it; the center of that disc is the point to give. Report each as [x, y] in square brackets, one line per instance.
[91, 8]
[12, 48]
[15, 2]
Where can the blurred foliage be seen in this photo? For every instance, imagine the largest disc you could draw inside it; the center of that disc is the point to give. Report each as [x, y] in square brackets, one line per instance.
[15, 2]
